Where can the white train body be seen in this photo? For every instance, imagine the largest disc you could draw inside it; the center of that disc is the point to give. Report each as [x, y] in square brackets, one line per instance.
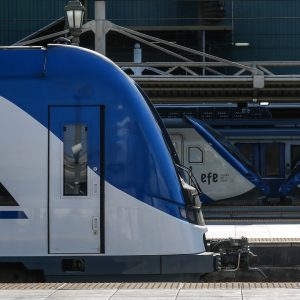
[87, 181]
[222, 173]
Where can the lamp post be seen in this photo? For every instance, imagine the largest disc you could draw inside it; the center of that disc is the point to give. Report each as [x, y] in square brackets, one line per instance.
[75, 12]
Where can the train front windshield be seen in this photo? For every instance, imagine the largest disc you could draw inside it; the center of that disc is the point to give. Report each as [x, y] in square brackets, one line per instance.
[162, 127]
[192, 211]
[179, 168]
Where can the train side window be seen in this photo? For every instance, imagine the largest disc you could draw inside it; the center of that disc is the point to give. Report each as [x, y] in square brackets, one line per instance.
[75, 160]
[272, 159]
[295, 155]
[6, 199]
[195, 155]
[251, 152]
[246, 150]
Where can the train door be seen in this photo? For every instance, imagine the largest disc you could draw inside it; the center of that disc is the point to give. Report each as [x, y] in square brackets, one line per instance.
[268, 159]
[74, 179]
[190, 153]
[194, 159]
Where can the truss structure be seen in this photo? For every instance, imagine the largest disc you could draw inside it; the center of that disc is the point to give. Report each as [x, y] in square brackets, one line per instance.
[206, 78]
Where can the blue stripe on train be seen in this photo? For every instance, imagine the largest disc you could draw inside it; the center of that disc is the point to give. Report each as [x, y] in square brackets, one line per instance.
[12, 214]
[233, 161]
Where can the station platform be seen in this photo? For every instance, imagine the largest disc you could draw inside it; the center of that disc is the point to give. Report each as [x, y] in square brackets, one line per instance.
[150, 291]
[268, 230]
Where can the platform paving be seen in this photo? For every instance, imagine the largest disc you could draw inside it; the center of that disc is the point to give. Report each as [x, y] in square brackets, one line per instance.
[252, 230]
[180, 291]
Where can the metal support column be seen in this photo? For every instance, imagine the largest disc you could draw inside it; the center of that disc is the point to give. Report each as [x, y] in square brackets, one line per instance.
[100, 30]
[203, 49]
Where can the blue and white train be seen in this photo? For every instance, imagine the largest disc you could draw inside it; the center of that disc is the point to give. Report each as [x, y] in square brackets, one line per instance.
[268, 137]
[89, 182]
[224, 175]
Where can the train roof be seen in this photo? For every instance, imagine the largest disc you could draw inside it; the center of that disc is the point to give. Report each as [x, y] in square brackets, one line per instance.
[57, 61]
[255, 128]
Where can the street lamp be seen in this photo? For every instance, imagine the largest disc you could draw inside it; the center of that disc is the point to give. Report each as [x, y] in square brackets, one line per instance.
[74, 12]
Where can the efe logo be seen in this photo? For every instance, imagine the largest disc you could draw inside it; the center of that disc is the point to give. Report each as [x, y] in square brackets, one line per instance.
[209, 177]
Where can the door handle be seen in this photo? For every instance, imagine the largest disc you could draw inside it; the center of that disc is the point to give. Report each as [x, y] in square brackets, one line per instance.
[95, 189]
[95, 224]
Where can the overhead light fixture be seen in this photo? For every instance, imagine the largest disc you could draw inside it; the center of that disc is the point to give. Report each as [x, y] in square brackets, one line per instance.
[240, 44]
[264, 103]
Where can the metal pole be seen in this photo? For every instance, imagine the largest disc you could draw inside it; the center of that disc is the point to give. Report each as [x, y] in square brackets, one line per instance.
[137, 59]
[86, 5]
[203, 50]
[75, 39]
[100, 33]
[232, 22]
[137, 53]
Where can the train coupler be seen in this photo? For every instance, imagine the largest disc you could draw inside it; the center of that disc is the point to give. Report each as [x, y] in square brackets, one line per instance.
[234, 255]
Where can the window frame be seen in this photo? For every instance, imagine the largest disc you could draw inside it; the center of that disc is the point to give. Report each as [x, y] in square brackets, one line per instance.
[189, 156]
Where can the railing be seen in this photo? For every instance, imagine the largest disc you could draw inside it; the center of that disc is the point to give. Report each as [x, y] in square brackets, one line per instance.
[204, 68]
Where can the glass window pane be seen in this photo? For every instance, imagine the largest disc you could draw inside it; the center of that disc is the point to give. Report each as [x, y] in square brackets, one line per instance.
[70, 19]
[295, 155]
[75, 160]
[272, 157]
[247, 150]
[195, 155]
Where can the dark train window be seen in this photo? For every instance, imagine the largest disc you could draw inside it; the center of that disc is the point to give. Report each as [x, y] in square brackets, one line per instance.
[251, 153]
[6, 199]
[268, 159]
[248, 151]
[272, 159]
[195, 155]
[75, 160]
[295, 155]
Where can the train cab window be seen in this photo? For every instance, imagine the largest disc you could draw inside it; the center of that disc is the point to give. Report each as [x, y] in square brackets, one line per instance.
[75, 160]
[195, 155]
